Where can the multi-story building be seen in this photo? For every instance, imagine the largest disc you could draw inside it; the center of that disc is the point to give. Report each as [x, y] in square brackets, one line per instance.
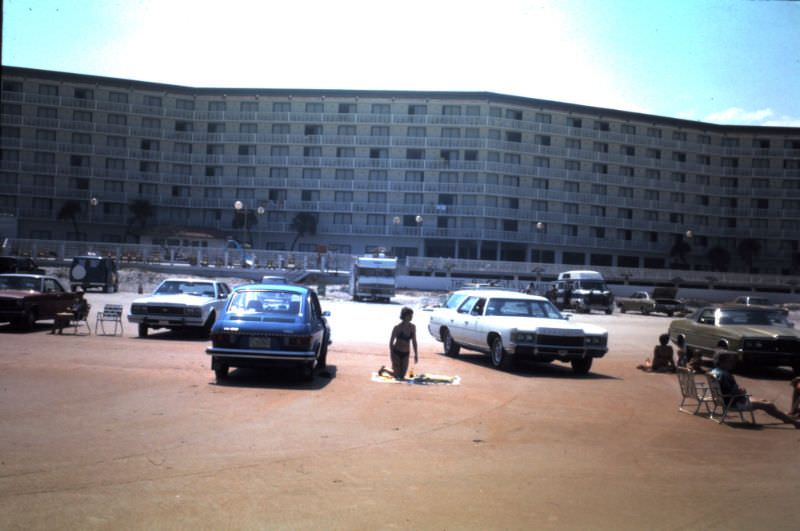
[452, 174]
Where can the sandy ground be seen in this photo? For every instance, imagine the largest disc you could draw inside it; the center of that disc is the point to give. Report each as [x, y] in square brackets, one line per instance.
[101, 432]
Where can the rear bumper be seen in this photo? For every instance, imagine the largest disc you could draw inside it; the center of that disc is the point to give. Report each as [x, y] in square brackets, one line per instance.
[259, 358]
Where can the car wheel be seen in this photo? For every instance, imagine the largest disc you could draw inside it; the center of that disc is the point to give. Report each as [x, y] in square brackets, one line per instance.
[307, 371]
[581, 365]
[670, 314]
[322, 360]
[142, 330]
[609, 311]
[645, 311]
[209, 323]
[220, 371]
[451, 348]
[106, 289]
[501, 359]
[622, 309]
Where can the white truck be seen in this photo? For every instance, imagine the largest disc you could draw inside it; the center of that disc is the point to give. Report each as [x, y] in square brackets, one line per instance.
[373, 277]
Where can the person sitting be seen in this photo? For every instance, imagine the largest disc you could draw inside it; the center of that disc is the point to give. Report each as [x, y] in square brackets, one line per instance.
[724, 363]
[78, 311]
[795, 410]
[662, 357]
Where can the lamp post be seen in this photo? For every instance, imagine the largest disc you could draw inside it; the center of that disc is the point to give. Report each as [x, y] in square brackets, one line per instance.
[419, 221]
[689, 235]
[93, 202]
[242, 209]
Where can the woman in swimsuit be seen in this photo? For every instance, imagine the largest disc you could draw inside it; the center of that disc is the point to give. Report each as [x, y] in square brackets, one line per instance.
[404, 335]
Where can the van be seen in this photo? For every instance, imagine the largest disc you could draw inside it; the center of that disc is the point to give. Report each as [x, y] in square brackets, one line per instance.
[92, 271]
[582, 291]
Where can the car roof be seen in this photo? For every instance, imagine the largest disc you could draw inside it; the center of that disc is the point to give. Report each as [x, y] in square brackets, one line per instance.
[300, 290]
[495, 293]
[180, 279]
[26, 275]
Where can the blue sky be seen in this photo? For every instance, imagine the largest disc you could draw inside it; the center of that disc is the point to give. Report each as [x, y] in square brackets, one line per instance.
[721, 61]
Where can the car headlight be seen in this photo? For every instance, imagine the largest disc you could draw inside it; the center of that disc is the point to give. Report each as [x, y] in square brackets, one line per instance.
[596, 340]
[138, 308]
[523, 337]
[194, 311]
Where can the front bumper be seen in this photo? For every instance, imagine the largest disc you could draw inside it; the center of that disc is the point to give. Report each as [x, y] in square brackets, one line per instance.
[166, 321]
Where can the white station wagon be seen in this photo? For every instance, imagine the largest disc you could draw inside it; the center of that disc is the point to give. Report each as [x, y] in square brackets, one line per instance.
[180, 303]
[509, 326]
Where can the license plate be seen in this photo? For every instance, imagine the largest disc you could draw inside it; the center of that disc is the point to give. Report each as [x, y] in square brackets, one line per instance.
[260, 342]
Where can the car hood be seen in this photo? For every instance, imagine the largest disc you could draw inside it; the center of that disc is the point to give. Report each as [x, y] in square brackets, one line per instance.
[760, 331]
[552, 326]
[17, 294]
[178, 300]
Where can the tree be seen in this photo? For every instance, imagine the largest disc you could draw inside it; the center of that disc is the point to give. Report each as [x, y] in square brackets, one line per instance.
[719, 258]
[69, 211]
[141, 210]
[303, 223]
[748, 249]
[247, 219]
[680, 249]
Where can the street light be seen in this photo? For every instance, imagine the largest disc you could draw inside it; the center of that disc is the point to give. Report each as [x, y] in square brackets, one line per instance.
[419, 220]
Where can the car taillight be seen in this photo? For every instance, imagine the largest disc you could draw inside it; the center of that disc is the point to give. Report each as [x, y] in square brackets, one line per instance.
[300, 341]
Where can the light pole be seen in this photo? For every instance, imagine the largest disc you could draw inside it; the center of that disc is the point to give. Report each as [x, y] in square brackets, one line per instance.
[689, 235]
[93, 202]
[419, 221]
[241, 209]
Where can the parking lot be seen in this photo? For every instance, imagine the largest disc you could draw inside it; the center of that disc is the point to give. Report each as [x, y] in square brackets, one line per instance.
[109, 432]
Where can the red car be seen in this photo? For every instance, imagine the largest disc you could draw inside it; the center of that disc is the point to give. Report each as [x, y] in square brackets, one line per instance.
[25, 299]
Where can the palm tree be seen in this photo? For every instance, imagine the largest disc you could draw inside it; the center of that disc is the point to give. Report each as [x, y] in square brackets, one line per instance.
[748, 249]
[680, 249]
[303, 223]
[719, 258]
[69, 211]
[141, 210]
[247, 219]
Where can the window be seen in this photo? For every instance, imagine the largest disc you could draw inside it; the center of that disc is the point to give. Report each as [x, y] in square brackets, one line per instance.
[380, 108]
[542, 140]
[116, 141]
[540, 184]
[654, 132]
[599, 189]
[215, 149]
[151, 123]
[513, 136]
[626, 171]
[312, 130]
[43, 135]
[379, 153]
[416, 132]
[573, 143]
[278, 173]
[703, 160]
[345, 152]
[651, 195]
[417, 109]
[48, 90]
[281, 106]
[347, 108]
[344, 174]
[625, 213]
[152, 101]
[678, 156]
[451, 110]
[451, 132]
[216, 106]
[414, 176]
[596, 211]
[473, 110]
[624, 191]
[182, 169]
[600, 147]
[577, 123]
[216, 127]
[182, 147]
[379, 130]
[346, 130]
[312, 173]
[730, 142]
[280, 129]
[729, 182]
[379, 175]
[653, 153]
[571, 187]
[12, 108]
[761, 143]
[279, 151]
[513, 114]
[569, 230]
[247, 150]
[309, 195]
[415, 154]
[541, 162]
[759, 182]
[542, 118]
[761, 164]
[600, 125]
[628, 129]
[680, 136]
[599, 168]
[703, 139]
[572, 165]
[41, 157]
[81, 138]
[760, 203]
[12, 86]
[376, 197]
[342, 219]
[412, 199]
[82, 116]
[184, 105]
[677, 177]
[44, 112]
[312, 151]
[343, 197]
[248, 106]
[729, 162]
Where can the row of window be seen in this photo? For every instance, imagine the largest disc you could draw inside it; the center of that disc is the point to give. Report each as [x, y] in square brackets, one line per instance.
[154, 101]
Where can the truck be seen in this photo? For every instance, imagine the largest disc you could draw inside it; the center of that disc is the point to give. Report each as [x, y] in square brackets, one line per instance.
[662, 301]
[373, 277]
[581, 291]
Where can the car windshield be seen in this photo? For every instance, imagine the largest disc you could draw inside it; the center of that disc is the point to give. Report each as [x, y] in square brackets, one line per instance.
[745, 317]
[266, 301]
[175, 287]
[522, 308]
[22, 283]
[592, 284]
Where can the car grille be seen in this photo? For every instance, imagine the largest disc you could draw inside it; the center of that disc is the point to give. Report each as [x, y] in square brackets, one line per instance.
[165, 310]
[560, 341]
[8, 304]
[597, 298]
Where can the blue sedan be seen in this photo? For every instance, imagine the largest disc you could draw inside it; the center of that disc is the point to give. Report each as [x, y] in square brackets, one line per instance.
[266, 325]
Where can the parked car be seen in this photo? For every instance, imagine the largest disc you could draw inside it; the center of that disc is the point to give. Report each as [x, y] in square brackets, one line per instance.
[26, 298]
[180, 303]
[93, 271]
[662, 301]
[762, 336]
[582, 291]
[509, 326]
[266, 325]
[752, 301]
[19, 264]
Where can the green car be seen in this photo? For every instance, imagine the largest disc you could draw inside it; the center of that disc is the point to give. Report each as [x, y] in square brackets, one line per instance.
[762, 336]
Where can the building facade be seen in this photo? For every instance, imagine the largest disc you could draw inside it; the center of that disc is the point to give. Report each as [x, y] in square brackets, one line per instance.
[443, 174]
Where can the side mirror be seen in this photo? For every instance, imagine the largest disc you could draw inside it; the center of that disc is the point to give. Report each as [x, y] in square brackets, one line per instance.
[567, 316]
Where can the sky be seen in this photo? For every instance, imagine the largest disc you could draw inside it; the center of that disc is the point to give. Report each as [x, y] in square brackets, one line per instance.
[718, 61]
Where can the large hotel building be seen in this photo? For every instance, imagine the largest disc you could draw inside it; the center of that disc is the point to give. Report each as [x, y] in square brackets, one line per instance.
[469, 175]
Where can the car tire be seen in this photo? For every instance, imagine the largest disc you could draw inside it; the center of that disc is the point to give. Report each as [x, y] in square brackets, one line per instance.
[622, 309]
[645, 311]
[609, 311]
[451, 348]
[307, 371]
[581, 366]
[322, 360]
[212, 317]
[670, 314]
[143, 330]
[106, 289]
[220, 372]
[501, 359]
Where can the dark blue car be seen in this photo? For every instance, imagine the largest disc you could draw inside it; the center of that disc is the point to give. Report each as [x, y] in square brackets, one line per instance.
[265, 325]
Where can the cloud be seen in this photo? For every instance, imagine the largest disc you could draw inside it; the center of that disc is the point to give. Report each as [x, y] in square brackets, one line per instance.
[739, 116]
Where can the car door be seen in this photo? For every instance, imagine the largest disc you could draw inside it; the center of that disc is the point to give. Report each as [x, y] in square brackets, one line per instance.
[474, 329]
[703, 332]
[460, 321]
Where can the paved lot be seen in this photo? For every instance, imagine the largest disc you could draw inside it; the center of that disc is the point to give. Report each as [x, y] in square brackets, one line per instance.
[122, 432]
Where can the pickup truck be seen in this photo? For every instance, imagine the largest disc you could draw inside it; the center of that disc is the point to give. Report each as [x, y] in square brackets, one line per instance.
[662, 301]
